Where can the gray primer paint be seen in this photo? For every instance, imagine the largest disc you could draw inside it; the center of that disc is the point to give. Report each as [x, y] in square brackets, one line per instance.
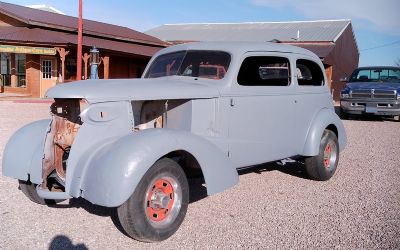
[222, 124]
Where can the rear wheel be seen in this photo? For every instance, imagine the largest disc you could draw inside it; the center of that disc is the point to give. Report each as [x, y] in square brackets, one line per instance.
[158, 205]
[29, 189]
[322, 166]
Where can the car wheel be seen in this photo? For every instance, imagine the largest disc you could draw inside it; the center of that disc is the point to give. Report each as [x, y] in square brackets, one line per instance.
[322, 166]
[29, 190]
[158, 205]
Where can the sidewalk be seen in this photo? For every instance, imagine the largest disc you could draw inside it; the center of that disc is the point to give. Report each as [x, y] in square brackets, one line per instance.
[22, 98]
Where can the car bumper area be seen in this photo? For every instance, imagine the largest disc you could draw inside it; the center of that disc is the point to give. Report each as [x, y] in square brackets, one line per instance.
[373, 107]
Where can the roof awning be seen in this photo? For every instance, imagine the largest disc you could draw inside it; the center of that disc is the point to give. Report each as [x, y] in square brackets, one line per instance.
[55, 38]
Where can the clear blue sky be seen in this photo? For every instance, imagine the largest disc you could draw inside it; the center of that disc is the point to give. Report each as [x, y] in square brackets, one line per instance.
[376, 23]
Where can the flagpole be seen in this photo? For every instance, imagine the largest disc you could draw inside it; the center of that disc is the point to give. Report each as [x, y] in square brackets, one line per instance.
[79, 50]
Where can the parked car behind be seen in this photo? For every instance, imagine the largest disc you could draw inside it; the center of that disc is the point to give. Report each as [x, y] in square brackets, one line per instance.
[372, 90]
[208, 107]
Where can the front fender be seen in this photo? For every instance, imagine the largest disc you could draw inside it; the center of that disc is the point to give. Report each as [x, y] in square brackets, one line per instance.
[117, 168]
[321, 121]
[23, 153]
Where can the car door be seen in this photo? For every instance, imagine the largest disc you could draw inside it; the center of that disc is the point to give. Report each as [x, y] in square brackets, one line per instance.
[261, 110]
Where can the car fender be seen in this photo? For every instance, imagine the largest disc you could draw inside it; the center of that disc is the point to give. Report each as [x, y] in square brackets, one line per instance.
[113, 173]
[321, 121]
[23, 154]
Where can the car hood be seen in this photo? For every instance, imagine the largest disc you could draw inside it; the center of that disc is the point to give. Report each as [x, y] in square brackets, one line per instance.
[374, 85]
[135, 89]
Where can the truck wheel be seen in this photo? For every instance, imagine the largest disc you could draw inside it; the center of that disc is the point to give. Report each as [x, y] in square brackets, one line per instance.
[29, 190]
[158, 205]
[322, 166]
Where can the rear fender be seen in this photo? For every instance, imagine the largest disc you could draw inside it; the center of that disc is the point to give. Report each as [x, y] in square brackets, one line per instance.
[321, 121]
[114, 172]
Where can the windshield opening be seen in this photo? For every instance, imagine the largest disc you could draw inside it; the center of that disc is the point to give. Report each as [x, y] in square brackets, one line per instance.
[376, 75]
[192, 63]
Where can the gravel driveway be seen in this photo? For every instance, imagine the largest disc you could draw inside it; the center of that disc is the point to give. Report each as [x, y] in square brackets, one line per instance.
[273, 207]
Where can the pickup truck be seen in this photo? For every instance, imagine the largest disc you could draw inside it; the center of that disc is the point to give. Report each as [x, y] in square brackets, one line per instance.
[372, 90]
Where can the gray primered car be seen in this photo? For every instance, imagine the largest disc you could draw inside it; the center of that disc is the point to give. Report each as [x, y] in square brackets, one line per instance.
[208, 107]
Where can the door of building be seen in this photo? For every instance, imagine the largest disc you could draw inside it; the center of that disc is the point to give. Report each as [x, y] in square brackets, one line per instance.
[48, 74]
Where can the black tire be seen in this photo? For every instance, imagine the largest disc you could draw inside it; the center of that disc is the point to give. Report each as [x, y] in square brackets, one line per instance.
[322, 166]
[29, 190]
[158, 205]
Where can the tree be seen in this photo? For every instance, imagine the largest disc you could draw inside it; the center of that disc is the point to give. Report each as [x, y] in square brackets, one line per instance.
[397, 62]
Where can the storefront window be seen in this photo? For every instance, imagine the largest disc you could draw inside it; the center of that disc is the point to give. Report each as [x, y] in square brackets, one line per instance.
[5, 69]
[20, 61]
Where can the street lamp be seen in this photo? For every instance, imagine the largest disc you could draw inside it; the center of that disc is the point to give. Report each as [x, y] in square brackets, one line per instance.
[94, 63]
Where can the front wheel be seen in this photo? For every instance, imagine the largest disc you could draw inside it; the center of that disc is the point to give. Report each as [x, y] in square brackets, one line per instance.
[158, 205]
[322, 166]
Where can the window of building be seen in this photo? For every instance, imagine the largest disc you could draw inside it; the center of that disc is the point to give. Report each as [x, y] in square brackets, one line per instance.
[5, 69]
[264, 71]
[20, 63]
[47, 68]
[309, 73]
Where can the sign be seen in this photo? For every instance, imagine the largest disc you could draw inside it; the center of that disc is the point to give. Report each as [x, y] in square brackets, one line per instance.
[27, 50]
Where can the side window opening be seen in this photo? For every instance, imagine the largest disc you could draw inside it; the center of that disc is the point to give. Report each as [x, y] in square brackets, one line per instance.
[264, 71]
[308, 73]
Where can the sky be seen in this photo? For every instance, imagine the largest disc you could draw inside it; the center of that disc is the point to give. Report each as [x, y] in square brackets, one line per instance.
[376, 24]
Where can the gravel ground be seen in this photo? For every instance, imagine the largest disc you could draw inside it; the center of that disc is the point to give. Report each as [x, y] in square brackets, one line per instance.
[273, 206]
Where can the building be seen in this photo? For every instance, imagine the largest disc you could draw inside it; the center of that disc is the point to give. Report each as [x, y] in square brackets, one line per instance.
[39, 49]
[333, 41]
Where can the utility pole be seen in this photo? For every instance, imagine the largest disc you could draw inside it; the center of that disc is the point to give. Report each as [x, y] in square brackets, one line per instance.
[79, 53]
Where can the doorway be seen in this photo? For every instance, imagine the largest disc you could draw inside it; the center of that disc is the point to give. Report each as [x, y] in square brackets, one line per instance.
[48, 74]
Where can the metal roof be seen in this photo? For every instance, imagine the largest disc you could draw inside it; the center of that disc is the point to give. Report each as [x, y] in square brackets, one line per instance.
[45, 19]
[51, 37]
[299, 31]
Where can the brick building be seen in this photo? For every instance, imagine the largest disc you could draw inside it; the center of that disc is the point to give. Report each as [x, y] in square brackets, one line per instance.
[38, 49]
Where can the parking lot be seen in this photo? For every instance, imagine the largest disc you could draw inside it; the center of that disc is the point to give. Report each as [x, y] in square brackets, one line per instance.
[273, 207]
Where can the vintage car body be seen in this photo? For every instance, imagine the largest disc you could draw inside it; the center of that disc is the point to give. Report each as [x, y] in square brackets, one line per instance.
[105, 136]
[372, 90]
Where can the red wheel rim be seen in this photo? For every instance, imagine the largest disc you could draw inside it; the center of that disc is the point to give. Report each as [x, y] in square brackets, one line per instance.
[327, 155]
[160, 200]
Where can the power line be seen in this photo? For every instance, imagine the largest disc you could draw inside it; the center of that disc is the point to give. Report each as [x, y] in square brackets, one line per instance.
[381, 46]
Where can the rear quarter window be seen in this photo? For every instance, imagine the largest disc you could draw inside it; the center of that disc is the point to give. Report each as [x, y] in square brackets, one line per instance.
[309, 73]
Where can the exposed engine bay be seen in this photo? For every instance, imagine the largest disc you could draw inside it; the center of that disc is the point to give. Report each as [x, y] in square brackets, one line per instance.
[66, 122]
[62, 132]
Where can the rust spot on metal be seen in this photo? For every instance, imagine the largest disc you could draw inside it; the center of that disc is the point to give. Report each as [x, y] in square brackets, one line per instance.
[58, 141]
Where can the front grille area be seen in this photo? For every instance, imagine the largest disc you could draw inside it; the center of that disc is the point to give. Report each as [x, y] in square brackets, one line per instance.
[374, 94]
[384, 94]
[361, 93]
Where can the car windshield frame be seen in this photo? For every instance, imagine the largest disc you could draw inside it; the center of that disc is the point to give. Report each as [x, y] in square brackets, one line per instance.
[191, 63]
[376, 75]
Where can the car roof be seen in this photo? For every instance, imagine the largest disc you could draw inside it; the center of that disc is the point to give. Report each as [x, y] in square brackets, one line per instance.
[238, 48]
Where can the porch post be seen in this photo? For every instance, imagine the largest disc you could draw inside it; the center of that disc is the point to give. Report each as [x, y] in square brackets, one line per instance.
[85, 58]
[106, 63]
[63, 53]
